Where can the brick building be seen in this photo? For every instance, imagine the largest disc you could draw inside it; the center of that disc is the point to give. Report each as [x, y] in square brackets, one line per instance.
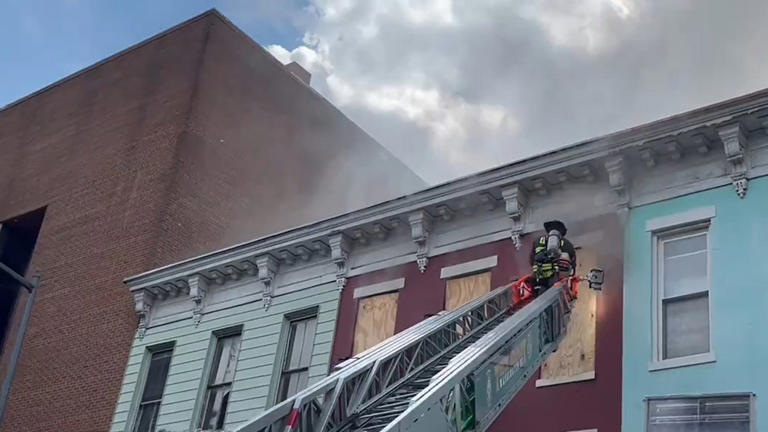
[194, 139]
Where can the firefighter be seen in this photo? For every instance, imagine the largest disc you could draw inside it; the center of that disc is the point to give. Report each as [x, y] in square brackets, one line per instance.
[552, 257]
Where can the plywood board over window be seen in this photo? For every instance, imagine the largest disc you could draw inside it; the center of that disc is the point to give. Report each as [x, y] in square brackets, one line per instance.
[574, 359]
[459, 291]
[375, 320]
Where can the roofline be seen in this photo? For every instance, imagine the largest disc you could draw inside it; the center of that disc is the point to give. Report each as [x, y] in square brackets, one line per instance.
[314, 92]
[574, 154]
[209, 12]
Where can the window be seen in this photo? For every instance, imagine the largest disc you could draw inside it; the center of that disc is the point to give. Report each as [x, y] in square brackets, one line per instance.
[682, 293]
[725, 413]
[460, 291]
[375, 320]
[294, 375]
[18, 236]
[220, 382]
[159, 362]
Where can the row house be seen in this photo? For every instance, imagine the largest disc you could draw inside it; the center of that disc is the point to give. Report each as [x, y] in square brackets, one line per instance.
[694, 300]
[226, 335]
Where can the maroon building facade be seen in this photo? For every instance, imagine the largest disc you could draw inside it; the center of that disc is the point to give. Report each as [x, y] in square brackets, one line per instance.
[194, 139]
[581, 403]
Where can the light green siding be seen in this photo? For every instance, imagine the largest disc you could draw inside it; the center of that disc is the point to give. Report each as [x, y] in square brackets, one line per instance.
[257, 361]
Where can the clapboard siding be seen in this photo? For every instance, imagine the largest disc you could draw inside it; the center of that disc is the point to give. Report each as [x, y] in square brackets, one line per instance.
[257, 360]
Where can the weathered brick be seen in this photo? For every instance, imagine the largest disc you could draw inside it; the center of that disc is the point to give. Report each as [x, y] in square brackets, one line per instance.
[188, 142]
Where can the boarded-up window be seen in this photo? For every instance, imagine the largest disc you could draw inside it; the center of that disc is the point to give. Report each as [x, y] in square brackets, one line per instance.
[465, 289]
[375, 320]
[574, 359]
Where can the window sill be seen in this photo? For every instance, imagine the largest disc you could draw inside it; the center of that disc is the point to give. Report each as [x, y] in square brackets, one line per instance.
[587, 376]
[682, 362]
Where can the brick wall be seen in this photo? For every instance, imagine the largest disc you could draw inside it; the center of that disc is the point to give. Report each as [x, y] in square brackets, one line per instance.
[259, 142]
[97, 150]
[168, 150]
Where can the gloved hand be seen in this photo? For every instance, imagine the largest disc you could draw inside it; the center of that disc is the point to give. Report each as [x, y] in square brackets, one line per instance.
[541, 258]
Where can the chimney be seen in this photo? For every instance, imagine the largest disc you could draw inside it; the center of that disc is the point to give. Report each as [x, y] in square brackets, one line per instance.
[299, 72]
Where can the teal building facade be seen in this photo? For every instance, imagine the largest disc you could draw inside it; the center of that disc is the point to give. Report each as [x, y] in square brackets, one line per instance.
[695, 312]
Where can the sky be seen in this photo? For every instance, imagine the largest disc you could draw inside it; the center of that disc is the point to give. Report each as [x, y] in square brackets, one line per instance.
[451, 87]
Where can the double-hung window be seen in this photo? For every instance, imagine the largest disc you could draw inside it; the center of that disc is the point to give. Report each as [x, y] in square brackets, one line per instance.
[152, 394]
[682, 318]
[294, 375]
[716, 413]
[220, 380]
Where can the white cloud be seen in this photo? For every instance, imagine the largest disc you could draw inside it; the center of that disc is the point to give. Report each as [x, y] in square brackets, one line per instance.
[452, 87]
[584, 24]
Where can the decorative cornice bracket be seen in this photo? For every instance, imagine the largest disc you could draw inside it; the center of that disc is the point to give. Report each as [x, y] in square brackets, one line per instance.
[488, 200]
[618, 179]
[380, 231]
[648, 156]
[288, 257]
[198, 289]
[540, 186]
[360, 235]
[340, 245]
[320, 248]
[516, 201]
[737, 156]
[764, 122]
[446, 213]
[674, 151]
[421, 227]
[143, 301]
[267, 266]
[304, 252]
[586, 173]
[701, 142]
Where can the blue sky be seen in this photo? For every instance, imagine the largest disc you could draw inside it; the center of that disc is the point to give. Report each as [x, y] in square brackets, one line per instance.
[451, 87]
[44, 41]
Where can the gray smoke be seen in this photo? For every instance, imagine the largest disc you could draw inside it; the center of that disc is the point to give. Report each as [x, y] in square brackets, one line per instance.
[452, 87]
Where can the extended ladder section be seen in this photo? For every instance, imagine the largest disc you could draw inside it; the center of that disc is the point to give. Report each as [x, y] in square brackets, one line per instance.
[453, 371]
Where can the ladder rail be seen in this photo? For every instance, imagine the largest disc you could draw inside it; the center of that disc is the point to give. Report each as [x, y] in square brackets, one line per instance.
[427, 323]
[473, 355]
[396, 366]
[436, 407]
[468, 334]
[336, 397]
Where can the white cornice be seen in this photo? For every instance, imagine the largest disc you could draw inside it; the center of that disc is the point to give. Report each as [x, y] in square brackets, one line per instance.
[582, 157]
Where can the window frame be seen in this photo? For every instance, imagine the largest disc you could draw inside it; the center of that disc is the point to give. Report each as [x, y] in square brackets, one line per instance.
[659, 237]
[205, 385]
[752, 405]
[282, 348]
[141, 383]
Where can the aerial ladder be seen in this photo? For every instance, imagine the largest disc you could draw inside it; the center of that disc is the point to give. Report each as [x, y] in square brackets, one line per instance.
[454, 371]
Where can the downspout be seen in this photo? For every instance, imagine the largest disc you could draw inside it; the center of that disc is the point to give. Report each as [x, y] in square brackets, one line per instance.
[31, 287]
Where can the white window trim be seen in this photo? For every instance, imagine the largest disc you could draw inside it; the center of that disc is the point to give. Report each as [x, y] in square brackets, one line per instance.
[666, 226]
[202, 390]
[379, 288]
[696, 215]
[752, 405]
[282, 348]
[690, 360]
[133, 412]
[469, 267]
[586, 376]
